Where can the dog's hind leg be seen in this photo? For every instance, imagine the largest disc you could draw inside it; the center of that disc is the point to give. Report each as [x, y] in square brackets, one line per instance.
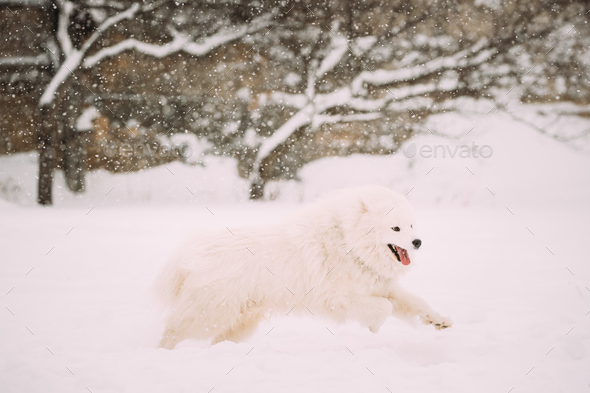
[243, 328]
[175, 332]
[169, 339]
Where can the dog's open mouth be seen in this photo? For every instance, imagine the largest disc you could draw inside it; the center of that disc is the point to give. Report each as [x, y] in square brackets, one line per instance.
[400, 253]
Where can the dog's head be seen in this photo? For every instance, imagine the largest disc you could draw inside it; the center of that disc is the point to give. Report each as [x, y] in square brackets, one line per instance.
[385, 236]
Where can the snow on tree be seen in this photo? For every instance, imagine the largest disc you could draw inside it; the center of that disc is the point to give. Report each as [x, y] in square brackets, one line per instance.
[384, 69]
[77, 51]
[278, 84]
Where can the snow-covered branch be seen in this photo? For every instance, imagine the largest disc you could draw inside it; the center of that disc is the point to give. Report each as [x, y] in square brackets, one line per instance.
[468, 57]
[41, 59]
[344, 97]
[320, 120]
[113, 20]
[52, 49]
[312, 107]
[73, 57]
[300, 119]
[339, 48]
[285, 99]
[304, 117]
[66, 9]
[177, 44]
[180, 43]
[314, 112]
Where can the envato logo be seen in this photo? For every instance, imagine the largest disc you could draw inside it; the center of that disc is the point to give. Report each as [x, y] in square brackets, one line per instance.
[461, 151]
[141, 150]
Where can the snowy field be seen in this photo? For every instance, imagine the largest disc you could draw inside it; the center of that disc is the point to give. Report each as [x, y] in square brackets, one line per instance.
[504, 254]
[85, 306]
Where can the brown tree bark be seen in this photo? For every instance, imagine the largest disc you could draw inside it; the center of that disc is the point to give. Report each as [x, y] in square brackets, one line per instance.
[73, 141]
[47, 146]
[257, 189]
[74, 160]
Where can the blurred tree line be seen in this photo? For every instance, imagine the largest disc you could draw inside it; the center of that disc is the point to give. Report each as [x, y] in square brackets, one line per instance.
[272, 84]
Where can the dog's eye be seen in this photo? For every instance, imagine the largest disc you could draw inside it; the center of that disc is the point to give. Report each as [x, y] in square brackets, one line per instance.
[396, 229]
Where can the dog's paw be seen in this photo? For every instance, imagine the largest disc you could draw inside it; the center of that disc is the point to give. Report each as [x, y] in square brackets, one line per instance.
[375, 328]
[437, 320]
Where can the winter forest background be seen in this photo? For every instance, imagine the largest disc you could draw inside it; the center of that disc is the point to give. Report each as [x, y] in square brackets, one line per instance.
[124, 86]
[127, 125]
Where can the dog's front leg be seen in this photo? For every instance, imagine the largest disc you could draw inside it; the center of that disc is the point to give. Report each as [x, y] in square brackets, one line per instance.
[370, 311]
[406, 304]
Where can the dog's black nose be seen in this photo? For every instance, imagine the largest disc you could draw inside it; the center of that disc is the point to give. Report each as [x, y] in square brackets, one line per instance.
[417, 243]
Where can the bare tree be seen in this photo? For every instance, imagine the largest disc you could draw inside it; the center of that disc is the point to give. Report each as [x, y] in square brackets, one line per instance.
[391, 66]
[278, 84]
[79, 31]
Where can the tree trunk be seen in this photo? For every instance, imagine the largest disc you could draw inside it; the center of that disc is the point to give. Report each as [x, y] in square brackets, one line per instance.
[74, 160]
[47, 147]
[257, 188]
[47, 136]
[73, 143]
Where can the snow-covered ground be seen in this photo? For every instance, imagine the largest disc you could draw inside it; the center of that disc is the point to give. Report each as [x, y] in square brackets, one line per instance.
[85, 306]
[504, 255]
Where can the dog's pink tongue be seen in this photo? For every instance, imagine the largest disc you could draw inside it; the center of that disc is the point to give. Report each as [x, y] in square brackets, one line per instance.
[403, 254]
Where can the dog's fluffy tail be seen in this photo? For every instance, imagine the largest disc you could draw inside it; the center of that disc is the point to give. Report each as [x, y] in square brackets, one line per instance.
[168, 285]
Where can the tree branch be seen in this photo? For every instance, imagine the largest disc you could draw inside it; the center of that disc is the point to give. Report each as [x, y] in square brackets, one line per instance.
[320, 120]
[66, 9]
[74, 56]
[477, 54]
[180, 43]
[300, 119]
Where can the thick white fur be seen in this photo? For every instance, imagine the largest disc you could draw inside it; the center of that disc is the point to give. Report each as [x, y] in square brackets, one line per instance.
[331, 258]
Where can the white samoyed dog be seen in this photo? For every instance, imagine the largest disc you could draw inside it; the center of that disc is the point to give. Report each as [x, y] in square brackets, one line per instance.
[339, 258]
